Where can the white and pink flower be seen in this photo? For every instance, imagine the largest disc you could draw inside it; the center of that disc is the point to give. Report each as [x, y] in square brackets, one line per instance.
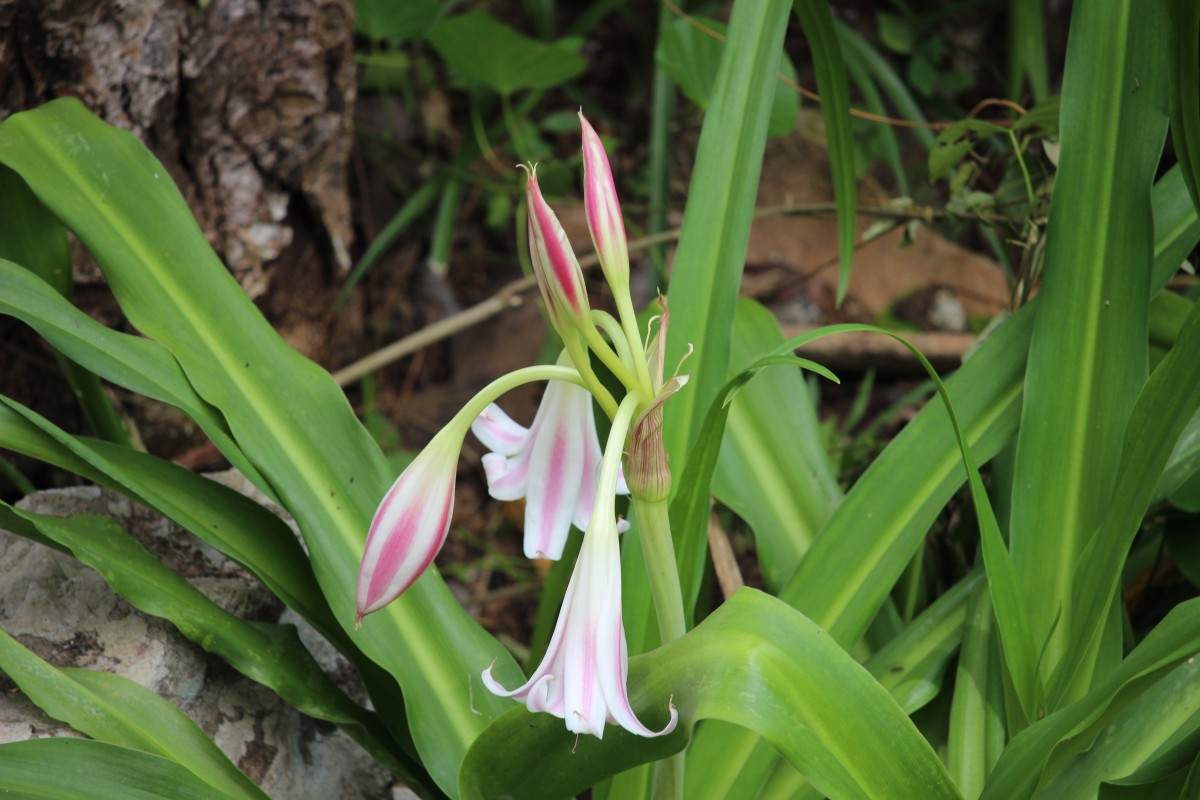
[553, 464]
[582, 678]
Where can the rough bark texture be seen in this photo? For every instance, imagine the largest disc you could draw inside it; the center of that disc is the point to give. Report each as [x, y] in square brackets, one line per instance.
[247, 102]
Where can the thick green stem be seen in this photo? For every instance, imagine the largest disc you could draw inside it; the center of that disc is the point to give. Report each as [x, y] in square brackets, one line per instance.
[655, 534]
[659, 551]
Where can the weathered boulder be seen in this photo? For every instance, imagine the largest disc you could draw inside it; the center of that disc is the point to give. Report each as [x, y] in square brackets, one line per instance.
[66, 613]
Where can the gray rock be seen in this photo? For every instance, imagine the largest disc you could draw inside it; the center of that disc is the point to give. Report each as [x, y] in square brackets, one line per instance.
[67, 614]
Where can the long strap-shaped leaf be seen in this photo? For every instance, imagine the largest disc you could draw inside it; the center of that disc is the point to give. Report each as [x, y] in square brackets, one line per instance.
[1184, 82]
[116, 710]
[1021, 766]
[1088, 355]
[82, 769]
[1168, 402]
[716, 223]
[846, 576]
[754, 662]
[285, 412]
[822, 37]
[136, 363]
[236, 526]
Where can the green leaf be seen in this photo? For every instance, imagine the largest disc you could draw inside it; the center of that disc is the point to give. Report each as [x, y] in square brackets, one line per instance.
[33, 236]
[1147, 740]
[1088, 357]
[482, 50]
[897, 33]
[1027, 50]
[118, 711]
[817, 21]
[133, 362]
[754, 662]
[910, 667]
[395, 22]
[773, 470]
[690, 508]
[1184, 87]
[272, 655]
[286, 413]
[236, 526]
[690, 52]
[82, 769]
[716, 222]
[977, 735]
[1167, 403]
[1049, 742]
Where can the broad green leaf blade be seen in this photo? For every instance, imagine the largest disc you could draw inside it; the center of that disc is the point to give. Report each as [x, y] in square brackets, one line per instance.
[137, 364]
[1088, 355]
[118, 711]
[82, 769]
[1184, 86]
[910, 667]
[773, 470]
[395, 22]
[272, 655]
[1009, 606]
[754, 662]
[1167, 403]
[286, 414]
[1150, 738]
[716, 222]
[483, 50]
[861, 552]
[817, 21]
[1059, 736]
[845, 577]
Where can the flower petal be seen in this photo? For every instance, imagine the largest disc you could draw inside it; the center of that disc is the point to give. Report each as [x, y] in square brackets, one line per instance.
[498, 432]
[582, 677]
[557, 462]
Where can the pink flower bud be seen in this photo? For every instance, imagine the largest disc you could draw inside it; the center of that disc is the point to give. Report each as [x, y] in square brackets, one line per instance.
[558, 274]
[603, 209]
[409, 527]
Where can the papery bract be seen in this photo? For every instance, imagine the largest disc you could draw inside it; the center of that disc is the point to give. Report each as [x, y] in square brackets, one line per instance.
[559, 277]
[603, 209]
[582, 678]
[409, 526]
[553, 464]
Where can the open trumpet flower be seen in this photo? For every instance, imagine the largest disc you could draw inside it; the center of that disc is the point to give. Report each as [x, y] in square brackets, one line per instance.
[553, 464]
[582, 678]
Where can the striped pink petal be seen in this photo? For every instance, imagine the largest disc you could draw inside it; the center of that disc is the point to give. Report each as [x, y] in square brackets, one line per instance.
[582, 678]
[498, 432]
[408, 529]
[554, 469]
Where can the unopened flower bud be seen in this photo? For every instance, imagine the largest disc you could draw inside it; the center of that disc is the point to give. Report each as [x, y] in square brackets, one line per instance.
[603, 209]
[559, 277]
